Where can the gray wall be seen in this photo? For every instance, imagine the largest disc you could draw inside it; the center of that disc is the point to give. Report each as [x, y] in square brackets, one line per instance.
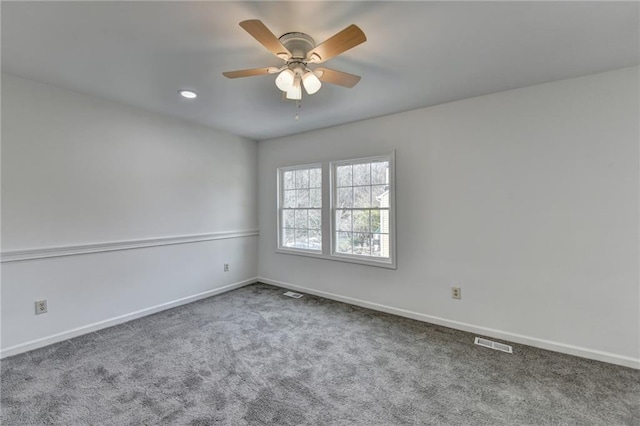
[83, 174]
[527, 199]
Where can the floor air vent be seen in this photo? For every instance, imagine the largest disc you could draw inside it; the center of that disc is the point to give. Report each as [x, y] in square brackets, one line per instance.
[493, 345]
[293, 294]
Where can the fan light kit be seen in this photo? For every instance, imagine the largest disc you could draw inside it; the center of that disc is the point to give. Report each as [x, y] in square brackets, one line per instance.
[298, 50]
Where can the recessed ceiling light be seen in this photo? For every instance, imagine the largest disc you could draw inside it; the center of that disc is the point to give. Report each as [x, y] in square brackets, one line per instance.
[189, 94]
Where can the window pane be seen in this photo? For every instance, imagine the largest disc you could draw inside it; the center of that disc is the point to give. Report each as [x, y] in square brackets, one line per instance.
[343, 175]
[361, 174]
[362, 196]
[375, 221]
[315, 198]
[302, 179]
[300, 208]
[375, 245]
[315, 178]
[361, 221]
[384, 221]
[380, 196]
[315, 219]
[288, 218]
[302, 198]
[385, 250]
[344, 244]
[343, 220]
[315, 240]
[302, 238]
[288, 238]
[361, 202]
[362, 244]
[289, 198]
[345, 197]
[288, 180]
[379, 172]
[301, 218]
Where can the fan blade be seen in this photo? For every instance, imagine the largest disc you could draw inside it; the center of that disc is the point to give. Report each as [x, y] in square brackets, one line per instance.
[250, 72]
[340, 78]
[341, 42]
[260, 32]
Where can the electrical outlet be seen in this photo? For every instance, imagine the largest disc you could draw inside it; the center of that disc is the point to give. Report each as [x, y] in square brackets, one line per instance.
[41, 307]
[456, 293]
[226, 267]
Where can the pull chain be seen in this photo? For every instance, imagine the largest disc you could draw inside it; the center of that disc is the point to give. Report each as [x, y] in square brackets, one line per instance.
[299, 106]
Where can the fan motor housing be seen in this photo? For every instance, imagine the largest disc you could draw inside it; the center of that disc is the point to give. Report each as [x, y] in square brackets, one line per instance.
[299, 44]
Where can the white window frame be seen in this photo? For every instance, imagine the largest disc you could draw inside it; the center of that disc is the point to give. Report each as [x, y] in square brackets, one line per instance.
[328, 214]
[389, 262]
[280, 208]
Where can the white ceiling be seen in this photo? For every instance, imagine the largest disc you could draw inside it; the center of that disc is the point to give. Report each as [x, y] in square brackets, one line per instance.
[417, 53]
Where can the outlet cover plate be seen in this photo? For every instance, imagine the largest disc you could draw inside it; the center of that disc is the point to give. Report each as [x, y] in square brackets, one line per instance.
[456, 293]
[41, 307]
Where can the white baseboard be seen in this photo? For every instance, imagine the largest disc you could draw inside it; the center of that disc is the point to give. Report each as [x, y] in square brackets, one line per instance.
[66, 335]
[484, 331]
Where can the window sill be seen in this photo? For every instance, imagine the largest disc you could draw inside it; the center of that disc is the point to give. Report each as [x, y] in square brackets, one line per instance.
[339, 258]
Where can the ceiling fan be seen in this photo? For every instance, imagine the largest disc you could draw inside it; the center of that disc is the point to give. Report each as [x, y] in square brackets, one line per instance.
[298, 50]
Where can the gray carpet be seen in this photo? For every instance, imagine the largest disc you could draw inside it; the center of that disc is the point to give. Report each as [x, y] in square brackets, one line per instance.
[253, 356]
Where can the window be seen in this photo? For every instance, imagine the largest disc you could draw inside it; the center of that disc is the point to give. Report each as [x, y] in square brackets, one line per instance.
[300, 212]
[358, 213]
[361, 208]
